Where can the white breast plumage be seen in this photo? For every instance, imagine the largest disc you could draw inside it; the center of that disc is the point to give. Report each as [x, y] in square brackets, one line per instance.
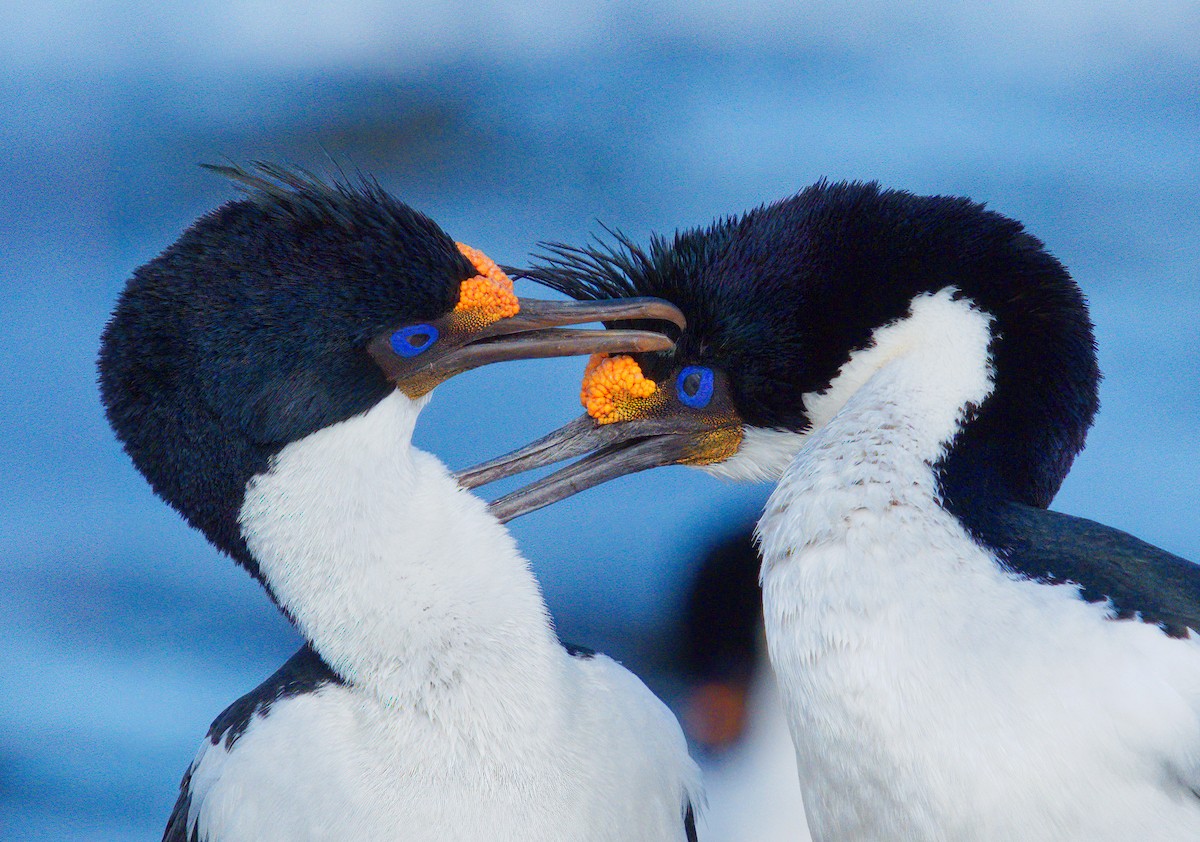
[932, 694]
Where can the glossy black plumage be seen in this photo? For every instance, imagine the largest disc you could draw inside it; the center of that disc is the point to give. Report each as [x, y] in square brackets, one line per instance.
[577, 651]
[177, 824]
[304, 672]
[274, 320]
[334, 264]
[1139, 579]
[781, 296]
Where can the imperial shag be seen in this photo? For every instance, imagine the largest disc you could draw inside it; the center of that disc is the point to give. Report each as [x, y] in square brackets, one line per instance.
[917, 375]
[265, 374]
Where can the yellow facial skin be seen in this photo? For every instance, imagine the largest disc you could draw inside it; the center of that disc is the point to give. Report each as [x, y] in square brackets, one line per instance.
[714, 446]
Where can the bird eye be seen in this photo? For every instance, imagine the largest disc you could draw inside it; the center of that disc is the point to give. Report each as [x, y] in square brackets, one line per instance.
[413, 340]
[695, 386]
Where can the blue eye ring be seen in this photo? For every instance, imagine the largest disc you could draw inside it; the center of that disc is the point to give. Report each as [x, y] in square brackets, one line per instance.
[403, 340]
[703, 393]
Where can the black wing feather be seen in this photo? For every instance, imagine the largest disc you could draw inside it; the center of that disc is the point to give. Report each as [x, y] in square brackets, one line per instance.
[689, 823]
[177, 825]
[304, 672]
[1140, 579]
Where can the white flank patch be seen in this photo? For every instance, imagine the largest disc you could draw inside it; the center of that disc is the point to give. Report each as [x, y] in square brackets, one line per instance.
[930, 695]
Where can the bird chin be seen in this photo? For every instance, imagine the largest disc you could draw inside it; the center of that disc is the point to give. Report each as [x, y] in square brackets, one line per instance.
[762, 456]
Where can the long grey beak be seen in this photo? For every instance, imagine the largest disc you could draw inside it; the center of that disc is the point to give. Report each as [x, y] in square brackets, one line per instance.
[538, 330]
[615, 450]
[600, 467]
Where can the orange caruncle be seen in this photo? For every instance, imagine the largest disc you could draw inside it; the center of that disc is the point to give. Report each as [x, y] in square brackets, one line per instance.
[489, 295]
[614, 389]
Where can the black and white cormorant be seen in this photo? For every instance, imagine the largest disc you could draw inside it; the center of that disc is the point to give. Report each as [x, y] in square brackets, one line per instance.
[265, 373]
[917, 374]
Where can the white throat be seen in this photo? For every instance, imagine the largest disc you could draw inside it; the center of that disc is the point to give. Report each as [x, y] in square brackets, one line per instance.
[401, 580]
[883, 423]
[927, 367]
[931, 694]
[945, 340]
[857, 554]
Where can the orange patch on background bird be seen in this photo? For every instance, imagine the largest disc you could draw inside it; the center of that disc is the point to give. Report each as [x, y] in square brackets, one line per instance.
[614, 389]
[487, 297]
[715, 714]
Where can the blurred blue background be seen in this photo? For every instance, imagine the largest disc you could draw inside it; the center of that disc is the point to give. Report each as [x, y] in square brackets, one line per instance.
[124, 633]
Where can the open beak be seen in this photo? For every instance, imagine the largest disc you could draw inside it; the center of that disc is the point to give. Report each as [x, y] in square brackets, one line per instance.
[540, 329]
[613, 451]
[664, 433]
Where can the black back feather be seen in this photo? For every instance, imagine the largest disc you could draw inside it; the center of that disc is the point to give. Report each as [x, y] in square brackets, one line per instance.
[1140, 580]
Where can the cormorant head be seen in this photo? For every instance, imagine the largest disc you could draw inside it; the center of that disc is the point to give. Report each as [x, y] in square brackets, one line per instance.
[300, 306]
[779, 301]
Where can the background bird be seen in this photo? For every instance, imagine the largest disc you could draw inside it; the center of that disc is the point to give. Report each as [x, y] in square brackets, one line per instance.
[730, 706]
[265, 374]
[919, 373]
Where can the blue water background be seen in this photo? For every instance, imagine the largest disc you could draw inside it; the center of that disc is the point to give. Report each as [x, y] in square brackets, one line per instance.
[122, 633]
